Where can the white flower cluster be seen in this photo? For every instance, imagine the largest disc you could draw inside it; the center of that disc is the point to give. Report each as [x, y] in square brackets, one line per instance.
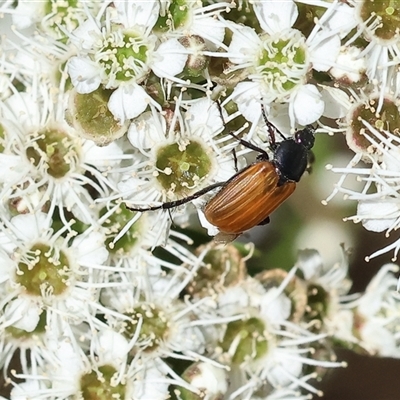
[371, 118]
[107, 105]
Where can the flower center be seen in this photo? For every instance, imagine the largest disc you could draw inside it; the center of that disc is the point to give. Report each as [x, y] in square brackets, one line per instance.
[44, 270]
[182, 166]
[388, 119]
[114, 224]
[101, 385]
[54, 150]
[175, 16]
[283, 62]
[124, 56]
[91, 118]
[317, 303]
[223, 267]
[387, 14]
[154, 327]
[62, 13]
[252, 342]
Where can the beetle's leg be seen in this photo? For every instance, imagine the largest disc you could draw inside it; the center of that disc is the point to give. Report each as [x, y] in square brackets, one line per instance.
[170, 217]
[247, 144]
[265, 221]
[176, 203]
[220, 111]
[272, 129]
[243, 142]
[235, 160]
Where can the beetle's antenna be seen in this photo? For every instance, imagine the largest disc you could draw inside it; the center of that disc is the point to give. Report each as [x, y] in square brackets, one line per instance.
[172, 204]
[272, 129]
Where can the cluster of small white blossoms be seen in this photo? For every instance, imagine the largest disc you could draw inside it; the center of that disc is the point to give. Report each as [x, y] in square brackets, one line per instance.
[105, 105]
[369, 97]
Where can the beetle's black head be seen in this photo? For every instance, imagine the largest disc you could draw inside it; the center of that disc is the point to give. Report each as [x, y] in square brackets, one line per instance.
[305, 137]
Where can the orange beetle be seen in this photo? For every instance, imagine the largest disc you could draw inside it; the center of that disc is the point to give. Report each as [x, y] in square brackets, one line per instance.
[247, 199]
[250, 196]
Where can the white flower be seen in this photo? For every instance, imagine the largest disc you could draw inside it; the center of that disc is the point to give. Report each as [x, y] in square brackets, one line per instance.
[52, 19]
[277, 355]
[376, 315]
[332, 278]
[66, 371]
[194, 18]
[209, 379]
[119, 52]
[378, 25]
[44, 162]
[172, 332]
[67, 287]
[378, 199]
[279, 61]
[147, 381]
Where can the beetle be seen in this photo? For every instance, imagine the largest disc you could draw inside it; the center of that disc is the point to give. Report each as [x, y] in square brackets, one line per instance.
[252, 194]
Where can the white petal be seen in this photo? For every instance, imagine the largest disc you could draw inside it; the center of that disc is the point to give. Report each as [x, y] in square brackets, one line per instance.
[307, 105]
[24, 390]
[244, 44]
[379, 340]
[137, 13]
[337, 102]
[231, 300]
[25, 312]
[310, 263]
[85, 36]
[349, 66]
[378, 215]
[113, 347]
[102, 157]
[128, 101]
[85, 74]
[7, 267]
[149, 384]
[77, 305]
[324, 51]
[391, 159]
[275, 308]
[70, 359]
[147, 131]
[170, 59]
[31, 227]
[90, 248]
[205, 118]
[23, 109]
[284, 369]
[11, 168]
[276, 15]
[248, 98]
[213, 380]
[27, 13]
[210, 29]
[343, 20]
